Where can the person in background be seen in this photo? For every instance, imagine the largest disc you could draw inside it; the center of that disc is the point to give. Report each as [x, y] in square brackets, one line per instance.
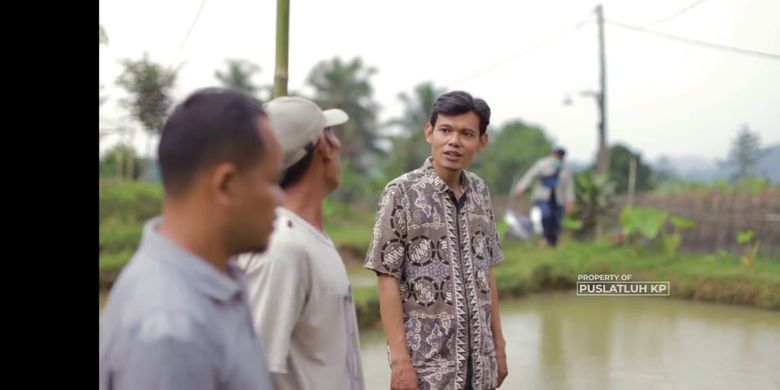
[553, 193]
[299, 292]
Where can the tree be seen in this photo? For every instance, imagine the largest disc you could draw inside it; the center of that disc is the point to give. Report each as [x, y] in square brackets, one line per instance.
[103, 36]
[149, 86]
[510, 153]
[619, 165]
[594, 199]
[103, 41]
[410, 148]
[116, 164]
[347, 86]
[745, 153]
[238, 75]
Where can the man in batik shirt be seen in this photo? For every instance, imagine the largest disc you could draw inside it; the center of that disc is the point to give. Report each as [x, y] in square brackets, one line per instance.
[433, 246]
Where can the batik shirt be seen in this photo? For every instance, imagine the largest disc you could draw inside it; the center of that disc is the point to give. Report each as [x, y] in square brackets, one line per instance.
[441, 250]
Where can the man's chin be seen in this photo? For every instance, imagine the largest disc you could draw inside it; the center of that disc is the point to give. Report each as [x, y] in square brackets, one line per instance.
[452, 166]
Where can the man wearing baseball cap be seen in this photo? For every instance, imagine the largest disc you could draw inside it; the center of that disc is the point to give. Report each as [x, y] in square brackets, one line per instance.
[299, 292]
[553, 194]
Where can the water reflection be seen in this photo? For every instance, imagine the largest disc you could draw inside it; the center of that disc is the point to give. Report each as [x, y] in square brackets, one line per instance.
[563, 341]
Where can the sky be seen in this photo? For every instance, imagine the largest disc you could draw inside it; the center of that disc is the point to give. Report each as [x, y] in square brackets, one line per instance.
[664, 97]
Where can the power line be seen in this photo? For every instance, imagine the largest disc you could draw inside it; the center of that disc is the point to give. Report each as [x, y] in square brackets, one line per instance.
[192, 25]
[522, 53]
[676, 14]
[708, 45]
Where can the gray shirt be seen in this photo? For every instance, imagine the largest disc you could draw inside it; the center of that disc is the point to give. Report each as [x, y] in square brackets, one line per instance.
[173, 321]
[564, 191]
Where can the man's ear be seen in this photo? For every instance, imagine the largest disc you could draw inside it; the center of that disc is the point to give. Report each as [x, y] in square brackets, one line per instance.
[483, 141]
[222, 182]
[326, 147]
[428, 131]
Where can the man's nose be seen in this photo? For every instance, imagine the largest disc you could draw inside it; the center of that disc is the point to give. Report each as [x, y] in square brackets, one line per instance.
[454, 139]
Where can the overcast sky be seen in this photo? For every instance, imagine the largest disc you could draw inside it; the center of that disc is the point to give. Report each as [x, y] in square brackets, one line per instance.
[664, 97]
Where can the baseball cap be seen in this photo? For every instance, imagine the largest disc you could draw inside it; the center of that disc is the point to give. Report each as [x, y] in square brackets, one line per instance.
[297, 123]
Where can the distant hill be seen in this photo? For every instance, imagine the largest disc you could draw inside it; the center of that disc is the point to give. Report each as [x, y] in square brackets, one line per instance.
[770, 163]
[700, 169]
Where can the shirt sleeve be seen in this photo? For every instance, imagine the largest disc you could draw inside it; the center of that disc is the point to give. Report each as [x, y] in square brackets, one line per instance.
[494, 242]
[279, 284]
[387, 250]
[529, 176]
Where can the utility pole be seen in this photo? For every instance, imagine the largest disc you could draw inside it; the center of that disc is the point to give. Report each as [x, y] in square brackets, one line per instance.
[282, 46]
[602, 157]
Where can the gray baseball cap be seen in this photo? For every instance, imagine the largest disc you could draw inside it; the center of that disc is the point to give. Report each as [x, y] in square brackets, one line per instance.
[298, 122]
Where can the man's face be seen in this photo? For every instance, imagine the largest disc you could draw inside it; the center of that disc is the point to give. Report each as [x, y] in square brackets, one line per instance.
[258, 195]
[333, 165]
[455, 140]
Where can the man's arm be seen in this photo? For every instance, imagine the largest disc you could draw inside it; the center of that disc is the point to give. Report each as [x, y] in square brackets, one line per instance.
[279, 282]
[386, 256]
[391, 311]
[526, 180]
[498, 334]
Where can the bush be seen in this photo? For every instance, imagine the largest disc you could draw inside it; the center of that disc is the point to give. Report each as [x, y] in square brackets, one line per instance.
[124, 207]
[117, 237]
[366, 306]
[129, 201]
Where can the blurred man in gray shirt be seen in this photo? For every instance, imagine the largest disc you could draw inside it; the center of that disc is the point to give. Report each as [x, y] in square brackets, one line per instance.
[553, 193]
[177, 317]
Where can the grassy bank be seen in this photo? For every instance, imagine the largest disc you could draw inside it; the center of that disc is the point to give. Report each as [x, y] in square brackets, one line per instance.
[712, 278]
[706, 278]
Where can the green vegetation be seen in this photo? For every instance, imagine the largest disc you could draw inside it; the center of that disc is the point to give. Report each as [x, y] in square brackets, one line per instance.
[527, 269]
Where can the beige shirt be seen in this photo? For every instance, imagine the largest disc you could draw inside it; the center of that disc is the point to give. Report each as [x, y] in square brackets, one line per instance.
[564, 191]
[302, 308]
[441, 251]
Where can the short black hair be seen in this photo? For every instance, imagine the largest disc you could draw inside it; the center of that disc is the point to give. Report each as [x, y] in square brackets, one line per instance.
[294, 173]
[460, 102]
[211, 126]
[561, 152]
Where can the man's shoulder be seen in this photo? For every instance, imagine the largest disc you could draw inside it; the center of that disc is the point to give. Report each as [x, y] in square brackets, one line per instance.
[147, 288]
[404, 183]
[150, 306]
[546, 160]
[407, 180]
[476, 182]
[288, 243]
[287, 235]
[289, 249]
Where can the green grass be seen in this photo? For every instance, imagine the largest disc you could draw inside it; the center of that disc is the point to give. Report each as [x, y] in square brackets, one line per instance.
[354, 232]
[693, 276]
